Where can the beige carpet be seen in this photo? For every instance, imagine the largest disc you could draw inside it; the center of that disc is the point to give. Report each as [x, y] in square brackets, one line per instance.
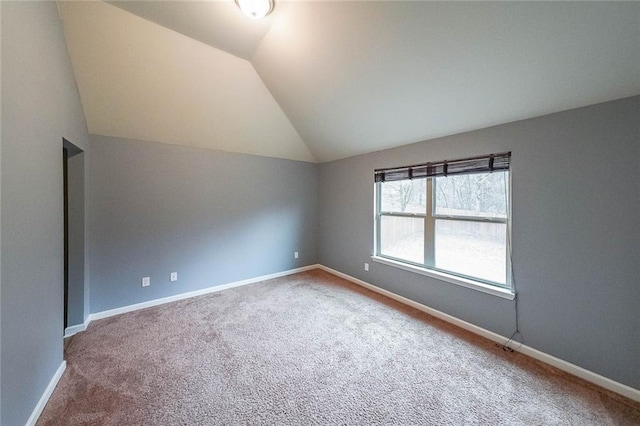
[309, 349]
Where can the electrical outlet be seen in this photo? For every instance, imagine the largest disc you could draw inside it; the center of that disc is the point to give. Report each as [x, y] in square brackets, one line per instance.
[146, 281]
[173, 277]
[295, 254]
[366, 266]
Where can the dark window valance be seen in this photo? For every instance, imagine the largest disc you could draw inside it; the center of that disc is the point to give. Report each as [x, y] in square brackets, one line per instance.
[480, 164]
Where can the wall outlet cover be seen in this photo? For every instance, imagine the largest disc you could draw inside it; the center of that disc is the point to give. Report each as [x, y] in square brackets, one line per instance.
[174, 276]
[146, 281]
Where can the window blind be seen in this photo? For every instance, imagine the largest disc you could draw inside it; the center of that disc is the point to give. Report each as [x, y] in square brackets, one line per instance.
[480, 164]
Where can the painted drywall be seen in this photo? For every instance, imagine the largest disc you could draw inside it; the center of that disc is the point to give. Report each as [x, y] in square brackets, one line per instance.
[576, 233]
[140, 80]
[387, 73]
[76, 305]
[220, 24]
[40, 106]
[214, 217]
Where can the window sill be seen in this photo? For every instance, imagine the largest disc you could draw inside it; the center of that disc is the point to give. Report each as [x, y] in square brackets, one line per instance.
[474, 285]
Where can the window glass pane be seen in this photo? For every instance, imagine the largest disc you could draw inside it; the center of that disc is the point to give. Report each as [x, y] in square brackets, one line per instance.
[402, 237]
[480, 194]
[408, 196]
[476, 249]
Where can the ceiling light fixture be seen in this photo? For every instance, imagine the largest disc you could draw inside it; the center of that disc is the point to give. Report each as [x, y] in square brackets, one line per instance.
[255, 9]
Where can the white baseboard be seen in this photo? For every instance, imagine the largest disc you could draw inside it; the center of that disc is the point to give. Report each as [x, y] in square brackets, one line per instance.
[162, 301]
[75, 329]
[46, 395]
[587, 375]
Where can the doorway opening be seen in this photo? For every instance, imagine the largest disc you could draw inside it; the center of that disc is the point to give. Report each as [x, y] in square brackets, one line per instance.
[75, 296]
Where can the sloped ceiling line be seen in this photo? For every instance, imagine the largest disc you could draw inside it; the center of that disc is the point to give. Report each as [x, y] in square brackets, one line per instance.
[329, 80]
[140, 80]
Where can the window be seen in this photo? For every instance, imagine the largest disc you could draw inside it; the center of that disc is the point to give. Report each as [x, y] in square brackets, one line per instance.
[447, 217]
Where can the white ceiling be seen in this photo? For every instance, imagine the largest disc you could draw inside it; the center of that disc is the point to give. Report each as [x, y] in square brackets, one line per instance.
[344, 77]
[139, 80]
[216, 23]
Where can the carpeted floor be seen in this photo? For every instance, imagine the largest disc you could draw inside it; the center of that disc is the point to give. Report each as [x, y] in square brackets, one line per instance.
[307, 349]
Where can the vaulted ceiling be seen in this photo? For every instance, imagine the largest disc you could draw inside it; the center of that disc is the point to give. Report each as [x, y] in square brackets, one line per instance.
[318, 81]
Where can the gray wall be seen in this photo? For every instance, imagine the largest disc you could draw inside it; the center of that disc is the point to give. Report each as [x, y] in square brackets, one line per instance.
[213, 217]
[576, 233]
[218, 217]
[40, 106]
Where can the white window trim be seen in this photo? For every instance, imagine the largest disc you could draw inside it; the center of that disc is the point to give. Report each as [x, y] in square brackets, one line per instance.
[504, 293]
[495, 290]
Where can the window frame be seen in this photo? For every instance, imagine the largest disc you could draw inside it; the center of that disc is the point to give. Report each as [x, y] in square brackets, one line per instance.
[428, 267]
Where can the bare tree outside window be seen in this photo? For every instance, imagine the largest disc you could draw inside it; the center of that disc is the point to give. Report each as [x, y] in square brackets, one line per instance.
[482, 194]
[406, 196]
[465, 233]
